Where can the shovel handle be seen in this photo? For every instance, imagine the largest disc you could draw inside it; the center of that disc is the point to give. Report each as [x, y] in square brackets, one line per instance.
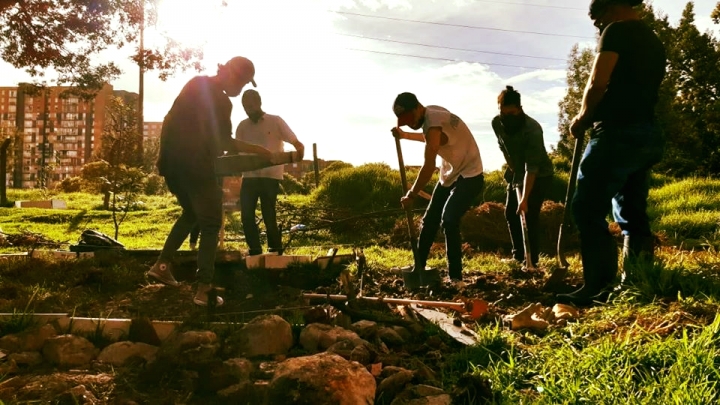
[404, 183]
[458, 306]
[567, 213]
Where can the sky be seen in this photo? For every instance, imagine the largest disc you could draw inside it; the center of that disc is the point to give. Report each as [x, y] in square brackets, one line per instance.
[318, 68]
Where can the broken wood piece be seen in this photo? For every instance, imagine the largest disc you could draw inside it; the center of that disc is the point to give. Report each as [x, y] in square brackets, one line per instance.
[475, 308]
[529, 318]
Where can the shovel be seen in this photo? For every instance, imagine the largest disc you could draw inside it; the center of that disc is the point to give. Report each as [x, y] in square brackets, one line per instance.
[526, 242]
[559, 274]
[415, 278]
[475, 308]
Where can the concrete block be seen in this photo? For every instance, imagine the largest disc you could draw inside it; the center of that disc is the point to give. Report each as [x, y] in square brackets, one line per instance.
[47, 204]
[282, 262]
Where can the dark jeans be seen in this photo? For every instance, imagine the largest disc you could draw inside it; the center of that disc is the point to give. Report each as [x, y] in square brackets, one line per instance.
[194, 234]
[266, 190]
[532, 216]
[614, 173]
[447, 207]
[201, 205]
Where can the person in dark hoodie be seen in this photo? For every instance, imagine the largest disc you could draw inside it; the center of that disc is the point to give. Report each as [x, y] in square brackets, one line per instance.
[528, 168]
[625, 142]
[196, 131]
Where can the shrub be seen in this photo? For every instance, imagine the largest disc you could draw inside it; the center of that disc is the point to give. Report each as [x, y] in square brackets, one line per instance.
[370, 187]
[290, 185]
[155, 185]
[71, 185]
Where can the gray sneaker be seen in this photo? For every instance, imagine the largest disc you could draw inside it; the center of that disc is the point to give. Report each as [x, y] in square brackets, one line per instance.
[162, 272]
[201, 296]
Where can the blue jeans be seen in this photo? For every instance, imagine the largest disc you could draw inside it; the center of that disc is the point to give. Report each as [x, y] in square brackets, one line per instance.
[614, 174]
[266, 190]
[447, 207]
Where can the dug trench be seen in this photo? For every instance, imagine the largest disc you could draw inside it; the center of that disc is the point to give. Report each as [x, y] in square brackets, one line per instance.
[407, 357]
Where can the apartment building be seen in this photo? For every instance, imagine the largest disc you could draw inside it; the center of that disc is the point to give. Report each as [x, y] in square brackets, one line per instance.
[151, 130]
[53, 131]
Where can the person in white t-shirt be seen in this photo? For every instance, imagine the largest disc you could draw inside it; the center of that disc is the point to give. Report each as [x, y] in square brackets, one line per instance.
[461, 175]
[271, 132]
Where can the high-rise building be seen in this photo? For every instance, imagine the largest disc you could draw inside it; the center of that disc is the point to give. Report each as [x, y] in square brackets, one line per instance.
[56, 133]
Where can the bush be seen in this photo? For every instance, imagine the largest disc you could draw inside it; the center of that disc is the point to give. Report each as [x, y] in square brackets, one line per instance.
[71, 185]
[290, 185]
[356, 190]
[155, 185]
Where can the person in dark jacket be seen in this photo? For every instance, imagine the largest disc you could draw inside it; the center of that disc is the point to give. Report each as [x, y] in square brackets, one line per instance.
[528, 168]
[196, 131]
[625, 143]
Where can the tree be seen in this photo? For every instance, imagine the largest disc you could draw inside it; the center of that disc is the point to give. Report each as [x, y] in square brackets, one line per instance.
[716, 14]
[65, 35]
[579, 67]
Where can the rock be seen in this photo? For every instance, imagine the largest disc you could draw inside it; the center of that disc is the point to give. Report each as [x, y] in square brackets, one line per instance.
[362, 355]
[241, 369]
[142, 331]
[31, 340]
[26, 359]
[343, 321]
[119, 353]
[530, 317]
[422, 395]
[365, 329]
[342, 348]
[77, 395]
[321, 379]
[390, 337]
[67, 351]
[319, 337]
[316, 315]
[263, 336]
[565, 312]
[265, 370]
[8, 367]
[242, 393]
[403, 333]
[391, 370]
[190, 348]
[391, 386]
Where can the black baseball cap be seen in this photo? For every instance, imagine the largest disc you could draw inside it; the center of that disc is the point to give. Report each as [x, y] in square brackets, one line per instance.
[598, 7]
[403, 106]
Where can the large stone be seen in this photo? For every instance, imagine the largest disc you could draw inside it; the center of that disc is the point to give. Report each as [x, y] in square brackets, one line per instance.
[69, 351]
[119, 353]
[242, 393]
[390, 337]
[31, 340]
[422, 395]
[191, 348]
[365, 329]
[219, 375]
[263, 336]
[391, 386]
[321, 379]
[319, 337]
[26, 359]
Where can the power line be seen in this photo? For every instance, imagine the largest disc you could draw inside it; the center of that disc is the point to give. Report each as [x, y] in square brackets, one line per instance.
[532, 5]
[475, 27]
[444, 59]
[447, 47]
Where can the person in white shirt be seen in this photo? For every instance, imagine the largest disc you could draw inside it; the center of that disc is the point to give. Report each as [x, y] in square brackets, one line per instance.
[461, 175]
[269, 131]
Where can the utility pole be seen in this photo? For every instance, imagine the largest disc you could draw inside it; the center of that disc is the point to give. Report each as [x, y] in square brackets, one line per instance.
[316, 166]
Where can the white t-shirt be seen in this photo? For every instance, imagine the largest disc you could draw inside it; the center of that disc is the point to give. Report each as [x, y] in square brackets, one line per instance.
[270, 132]
[460, 155]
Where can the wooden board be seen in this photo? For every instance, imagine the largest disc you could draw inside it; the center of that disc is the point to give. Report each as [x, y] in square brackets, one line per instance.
[461, 333]
[235, 165]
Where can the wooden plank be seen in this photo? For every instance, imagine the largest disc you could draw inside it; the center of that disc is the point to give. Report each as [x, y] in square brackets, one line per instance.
[461, 333]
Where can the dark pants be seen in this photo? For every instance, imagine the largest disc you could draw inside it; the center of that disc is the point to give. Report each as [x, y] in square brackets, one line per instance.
[447, 207]
[194, 234]
[266, 190]
[532, 216]
[201, 205]
[614, 173]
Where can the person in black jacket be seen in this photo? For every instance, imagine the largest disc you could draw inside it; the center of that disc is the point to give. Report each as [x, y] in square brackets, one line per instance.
[196, 131]
[625, 142]
[528, 168]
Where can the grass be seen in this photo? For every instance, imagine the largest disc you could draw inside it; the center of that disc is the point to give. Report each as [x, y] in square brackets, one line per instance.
[657, 342]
